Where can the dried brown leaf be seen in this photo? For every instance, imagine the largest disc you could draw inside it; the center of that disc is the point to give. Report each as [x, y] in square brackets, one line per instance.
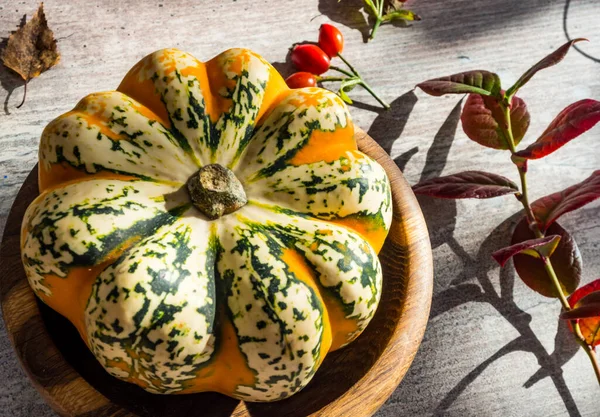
[31, 50]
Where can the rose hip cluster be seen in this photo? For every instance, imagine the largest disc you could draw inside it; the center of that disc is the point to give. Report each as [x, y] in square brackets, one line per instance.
[312, 60]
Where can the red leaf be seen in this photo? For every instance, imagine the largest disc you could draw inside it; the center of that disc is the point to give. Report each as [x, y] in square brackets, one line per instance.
[479, 82]
[590, 327]
[468, 184]
[544, 246]
[574, 120]
[548, 209]
[566, 261]
[583, 312]
[483, 121]
[587, 306]
[550, 60]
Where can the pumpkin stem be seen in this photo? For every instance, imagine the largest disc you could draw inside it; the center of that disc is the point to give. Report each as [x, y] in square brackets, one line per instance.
[215, 191]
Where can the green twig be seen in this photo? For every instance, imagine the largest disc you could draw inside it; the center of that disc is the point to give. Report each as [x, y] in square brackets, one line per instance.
[552, 274]
[349, 65]
[325, 79]
[378, 21]
[362, 81]
[588, 349]
[380, 101]
[376, 9]
[340, 70]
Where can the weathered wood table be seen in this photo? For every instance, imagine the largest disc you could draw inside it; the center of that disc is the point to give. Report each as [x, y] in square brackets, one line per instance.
[493, 347]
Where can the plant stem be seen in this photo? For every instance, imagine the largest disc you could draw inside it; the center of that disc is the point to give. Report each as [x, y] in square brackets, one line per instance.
[522, 173]
[354, 71]
[373, 8]
[552, 274]
[380, 101]
[362, 81]
[378, 21]
[24, 95]
[321, 79]
[377, 10]
[588, 349]
[593, 358]
[343, 71]
[534, 226]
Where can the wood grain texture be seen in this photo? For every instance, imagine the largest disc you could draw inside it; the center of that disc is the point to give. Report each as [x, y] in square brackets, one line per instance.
[355, 381]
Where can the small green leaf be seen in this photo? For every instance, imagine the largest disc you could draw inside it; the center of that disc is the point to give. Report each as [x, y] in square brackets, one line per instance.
[346, 86]
[401, 14]
[550, 60]
[344, 96]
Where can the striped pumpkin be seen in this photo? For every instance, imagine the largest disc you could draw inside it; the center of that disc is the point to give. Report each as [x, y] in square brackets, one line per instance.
[172, 298]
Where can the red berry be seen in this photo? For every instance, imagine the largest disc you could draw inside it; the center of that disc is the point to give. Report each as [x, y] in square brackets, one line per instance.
[331, 40]
[301, 79]
[310, 58]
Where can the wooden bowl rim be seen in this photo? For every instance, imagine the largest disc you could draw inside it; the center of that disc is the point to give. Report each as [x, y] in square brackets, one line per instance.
[391, 365]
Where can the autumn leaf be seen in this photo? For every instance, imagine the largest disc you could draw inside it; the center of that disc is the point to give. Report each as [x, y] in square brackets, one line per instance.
[483, 121]
[565, 259]
[31, 50]
[543, 246]
[468, 184]
[574, 120]
[548, 61]
[582, 301]
[549, 208]
[479, 82]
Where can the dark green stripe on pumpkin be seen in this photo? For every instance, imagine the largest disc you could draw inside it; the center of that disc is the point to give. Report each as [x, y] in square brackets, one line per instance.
[110, 242]
[162, 285]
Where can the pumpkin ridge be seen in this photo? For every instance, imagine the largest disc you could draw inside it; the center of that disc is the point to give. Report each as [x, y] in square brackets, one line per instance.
[36, 250]
[288, 128]
[346, 191]
[304, 245]
[346, 324]
[266, 326]
[164, 315]
[132, 148]
[239, 80]
[159, 83]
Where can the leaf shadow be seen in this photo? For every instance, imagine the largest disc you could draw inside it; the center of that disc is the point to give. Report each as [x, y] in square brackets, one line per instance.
[9, 80]
[440, 215]
[476, 19]
[347, 13]
[389, 125]
[480, 268]
[564, 351]
[513, 346]
[285, 68]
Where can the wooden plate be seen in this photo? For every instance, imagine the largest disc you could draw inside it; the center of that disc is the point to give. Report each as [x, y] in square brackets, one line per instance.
[354, 381]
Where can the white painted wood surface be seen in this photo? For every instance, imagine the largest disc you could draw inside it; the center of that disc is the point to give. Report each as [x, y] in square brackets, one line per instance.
[490, 347]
